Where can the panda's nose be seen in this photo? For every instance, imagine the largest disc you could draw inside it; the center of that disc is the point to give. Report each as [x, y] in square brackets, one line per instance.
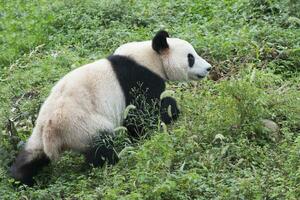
[208, 67]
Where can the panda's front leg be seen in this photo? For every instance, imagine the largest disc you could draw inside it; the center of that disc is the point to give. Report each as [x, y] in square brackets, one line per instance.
[168, 110]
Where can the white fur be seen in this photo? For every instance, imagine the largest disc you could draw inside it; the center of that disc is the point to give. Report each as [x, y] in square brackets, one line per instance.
[89, 99]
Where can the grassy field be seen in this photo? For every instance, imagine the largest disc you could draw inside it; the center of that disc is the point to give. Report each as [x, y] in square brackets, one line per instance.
[219, 147]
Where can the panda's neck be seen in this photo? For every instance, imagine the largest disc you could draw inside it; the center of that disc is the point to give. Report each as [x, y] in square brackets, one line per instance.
[143, 54]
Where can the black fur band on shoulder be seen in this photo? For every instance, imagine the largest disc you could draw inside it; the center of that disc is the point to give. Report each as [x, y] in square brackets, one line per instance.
[130, 75]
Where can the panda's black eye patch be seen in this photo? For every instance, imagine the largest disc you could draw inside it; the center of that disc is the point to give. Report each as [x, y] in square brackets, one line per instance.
[191, 60]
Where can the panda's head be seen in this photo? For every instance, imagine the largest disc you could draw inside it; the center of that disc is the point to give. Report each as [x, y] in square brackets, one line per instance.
[179, 58]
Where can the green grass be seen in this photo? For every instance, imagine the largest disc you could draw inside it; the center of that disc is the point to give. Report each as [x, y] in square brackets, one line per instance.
[218, 149]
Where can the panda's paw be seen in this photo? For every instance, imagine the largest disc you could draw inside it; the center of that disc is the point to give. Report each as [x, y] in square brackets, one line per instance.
[169, 110]
[98, 156]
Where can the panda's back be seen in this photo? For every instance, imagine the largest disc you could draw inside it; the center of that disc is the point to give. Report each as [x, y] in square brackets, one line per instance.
[85, 100]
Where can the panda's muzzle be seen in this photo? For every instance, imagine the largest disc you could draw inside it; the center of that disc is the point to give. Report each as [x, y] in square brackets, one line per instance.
[196, 77]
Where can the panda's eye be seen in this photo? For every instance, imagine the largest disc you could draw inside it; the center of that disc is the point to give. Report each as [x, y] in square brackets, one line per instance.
[191, 60]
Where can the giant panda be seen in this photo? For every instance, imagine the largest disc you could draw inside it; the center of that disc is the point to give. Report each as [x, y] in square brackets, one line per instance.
[93, 97]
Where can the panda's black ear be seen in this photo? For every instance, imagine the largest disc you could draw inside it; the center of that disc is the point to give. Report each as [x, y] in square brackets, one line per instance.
[159, 42]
